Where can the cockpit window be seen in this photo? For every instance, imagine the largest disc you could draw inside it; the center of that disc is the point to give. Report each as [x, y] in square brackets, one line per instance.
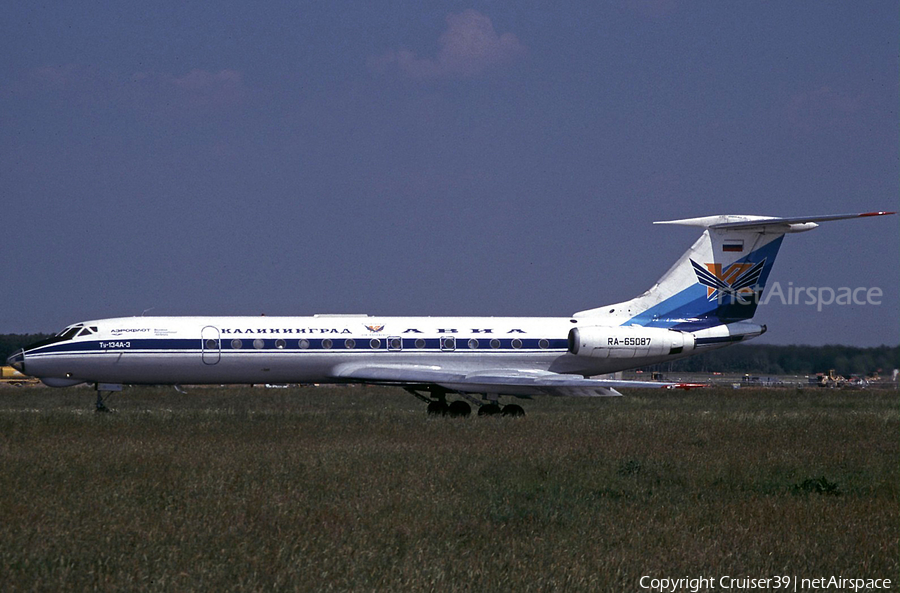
[75, 331]
[69, 333]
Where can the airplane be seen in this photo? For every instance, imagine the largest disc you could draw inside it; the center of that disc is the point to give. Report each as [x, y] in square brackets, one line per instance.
[706, 300]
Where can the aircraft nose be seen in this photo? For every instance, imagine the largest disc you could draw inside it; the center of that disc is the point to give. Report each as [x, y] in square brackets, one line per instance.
[17, 360]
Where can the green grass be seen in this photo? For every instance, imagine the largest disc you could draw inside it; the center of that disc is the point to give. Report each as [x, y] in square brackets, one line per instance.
[356, 489]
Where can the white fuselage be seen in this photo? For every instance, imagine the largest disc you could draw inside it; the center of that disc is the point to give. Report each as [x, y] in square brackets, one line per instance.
[220, 350]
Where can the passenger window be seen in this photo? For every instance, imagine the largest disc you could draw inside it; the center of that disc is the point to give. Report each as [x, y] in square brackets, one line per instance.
[280, 344]
[473, 343]
[544, 343]
[259, 343]
[349, 343]
[303, 344]
[420, 343]
[495, 343]
[326, 343]
[374, 343]
[236, 344]
[517, 343]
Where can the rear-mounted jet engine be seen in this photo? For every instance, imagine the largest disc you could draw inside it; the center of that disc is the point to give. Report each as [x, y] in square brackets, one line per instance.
[628, 342]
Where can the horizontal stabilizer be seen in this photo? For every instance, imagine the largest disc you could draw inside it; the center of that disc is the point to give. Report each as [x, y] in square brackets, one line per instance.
[750, 222]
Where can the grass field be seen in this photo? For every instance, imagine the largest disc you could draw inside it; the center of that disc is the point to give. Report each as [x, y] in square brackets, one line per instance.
[356, 489]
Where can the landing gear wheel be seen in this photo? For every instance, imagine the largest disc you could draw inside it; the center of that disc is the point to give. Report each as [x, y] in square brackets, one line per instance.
[437, 409]
[459, 409]
[513, 410]
[489, 410]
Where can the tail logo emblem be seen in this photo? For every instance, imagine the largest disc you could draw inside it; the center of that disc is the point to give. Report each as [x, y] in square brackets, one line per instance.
[737, 281]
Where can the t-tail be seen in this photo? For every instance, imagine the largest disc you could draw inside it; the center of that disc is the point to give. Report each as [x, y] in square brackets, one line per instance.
[714, 288]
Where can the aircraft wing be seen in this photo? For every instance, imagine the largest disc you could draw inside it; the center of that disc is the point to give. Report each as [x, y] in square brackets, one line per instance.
[502, 381]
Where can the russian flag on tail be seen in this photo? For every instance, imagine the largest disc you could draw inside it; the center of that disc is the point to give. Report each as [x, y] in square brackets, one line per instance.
[736, 245]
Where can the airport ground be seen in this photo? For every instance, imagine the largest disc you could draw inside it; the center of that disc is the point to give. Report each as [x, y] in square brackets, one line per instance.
[355, 488]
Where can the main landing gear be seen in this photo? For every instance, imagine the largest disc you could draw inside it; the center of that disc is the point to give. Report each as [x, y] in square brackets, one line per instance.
[494, 409]
[490, 406]
[455, 409]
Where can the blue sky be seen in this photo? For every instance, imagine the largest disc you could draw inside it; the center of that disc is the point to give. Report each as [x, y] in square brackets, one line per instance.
[441, 158]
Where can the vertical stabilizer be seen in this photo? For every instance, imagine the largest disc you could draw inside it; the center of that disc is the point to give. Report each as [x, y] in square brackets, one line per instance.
[720, 279]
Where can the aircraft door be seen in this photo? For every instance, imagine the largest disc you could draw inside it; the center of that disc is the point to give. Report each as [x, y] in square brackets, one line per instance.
[210, 345]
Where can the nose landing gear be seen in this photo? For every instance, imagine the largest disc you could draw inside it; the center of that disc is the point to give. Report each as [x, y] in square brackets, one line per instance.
[108, 389]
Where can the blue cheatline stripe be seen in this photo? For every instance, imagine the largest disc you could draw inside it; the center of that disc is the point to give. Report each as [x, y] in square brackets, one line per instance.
[270, 345]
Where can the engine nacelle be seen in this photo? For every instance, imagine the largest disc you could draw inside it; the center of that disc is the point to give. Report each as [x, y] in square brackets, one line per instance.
[628, 342]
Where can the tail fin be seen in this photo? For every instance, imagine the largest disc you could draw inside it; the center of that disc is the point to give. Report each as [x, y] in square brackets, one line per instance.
[720, 279]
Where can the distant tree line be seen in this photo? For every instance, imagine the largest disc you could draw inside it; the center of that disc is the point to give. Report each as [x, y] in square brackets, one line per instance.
[743, 358]
[764, 359]
[9, 343]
